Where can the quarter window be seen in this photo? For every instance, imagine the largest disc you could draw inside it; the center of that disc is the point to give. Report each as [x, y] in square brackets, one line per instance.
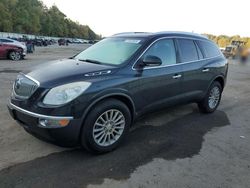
[209, 48]
[188, 51]
[163, 49]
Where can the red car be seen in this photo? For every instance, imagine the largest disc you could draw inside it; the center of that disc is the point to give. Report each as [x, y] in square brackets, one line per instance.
[9, 51]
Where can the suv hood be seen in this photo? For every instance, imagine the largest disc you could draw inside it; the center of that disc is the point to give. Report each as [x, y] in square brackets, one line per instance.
[64, 71]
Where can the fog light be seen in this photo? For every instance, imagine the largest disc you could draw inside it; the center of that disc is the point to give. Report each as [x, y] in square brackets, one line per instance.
[51, 123]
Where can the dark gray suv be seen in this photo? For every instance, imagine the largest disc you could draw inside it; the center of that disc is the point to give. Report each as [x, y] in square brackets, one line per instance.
[92, 98]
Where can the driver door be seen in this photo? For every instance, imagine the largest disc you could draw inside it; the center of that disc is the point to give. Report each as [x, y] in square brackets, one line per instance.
[159, 86]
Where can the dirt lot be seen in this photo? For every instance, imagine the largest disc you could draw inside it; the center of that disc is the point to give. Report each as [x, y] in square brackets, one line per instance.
[177, 147]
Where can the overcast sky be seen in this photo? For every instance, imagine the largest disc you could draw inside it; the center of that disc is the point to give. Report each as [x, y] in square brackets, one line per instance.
[107, 17]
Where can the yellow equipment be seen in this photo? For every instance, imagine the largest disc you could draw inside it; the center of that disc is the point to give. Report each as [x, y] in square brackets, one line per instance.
[236, 49]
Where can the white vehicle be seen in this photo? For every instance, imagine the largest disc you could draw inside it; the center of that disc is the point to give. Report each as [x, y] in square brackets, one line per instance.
[14, 42]
[85, 41]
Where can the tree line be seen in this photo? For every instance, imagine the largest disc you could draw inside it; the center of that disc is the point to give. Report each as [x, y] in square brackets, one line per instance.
[33, 17]
[224, 40]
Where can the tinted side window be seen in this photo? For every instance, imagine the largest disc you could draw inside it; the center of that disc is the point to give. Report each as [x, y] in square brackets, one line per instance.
[165, 50]
[209, 49]
[188, 50]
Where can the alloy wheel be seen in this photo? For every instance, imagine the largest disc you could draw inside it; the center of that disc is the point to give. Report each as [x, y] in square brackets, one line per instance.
[15, 56]
[108, 127]
[214, 97]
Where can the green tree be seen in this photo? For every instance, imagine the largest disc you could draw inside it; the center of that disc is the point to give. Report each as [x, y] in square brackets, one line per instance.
[248, 42]
[33, 17]
[223, 40]
[5, 17]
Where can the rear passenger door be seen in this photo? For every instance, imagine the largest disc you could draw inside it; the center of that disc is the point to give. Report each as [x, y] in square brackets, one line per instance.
[211, 62]
[191, 58]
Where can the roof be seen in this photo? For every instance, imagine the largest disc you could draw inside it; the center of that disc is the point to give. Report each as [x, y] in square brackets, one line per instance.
[160, 34]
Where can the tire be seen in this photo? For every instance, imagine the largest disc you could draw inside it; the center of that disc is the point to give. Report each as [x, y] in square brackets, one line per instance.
[98, 125]
[212, 99]
[14, 56]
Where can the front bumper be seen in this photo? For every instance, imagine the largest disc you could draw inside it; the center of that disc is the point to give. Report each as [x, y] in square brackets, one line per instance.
[63, 136]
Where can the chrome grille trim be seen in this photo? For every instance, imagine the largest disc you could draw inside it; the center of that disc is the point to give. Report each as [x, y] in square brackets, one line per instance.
[38, 83]
[31, 87]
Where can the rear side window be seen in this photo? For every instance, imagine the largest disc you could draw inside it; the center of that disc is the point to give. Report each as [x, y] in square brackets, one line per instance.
[188, 51]
[209, 49]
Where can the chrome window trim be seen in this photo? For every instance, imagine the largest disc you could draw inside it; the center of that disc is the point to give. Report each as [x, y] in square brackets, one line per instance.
[172, 37]
[14, 107]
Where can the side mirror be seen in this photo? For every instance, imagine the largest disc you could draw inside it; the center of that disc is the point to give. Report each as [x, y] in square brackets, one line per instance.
[151, 61]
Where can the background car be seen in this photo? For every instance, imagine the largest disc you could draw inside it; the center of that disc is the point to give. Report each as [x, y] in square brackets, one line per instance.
[62, 42]
[15, 43]
[10, 51]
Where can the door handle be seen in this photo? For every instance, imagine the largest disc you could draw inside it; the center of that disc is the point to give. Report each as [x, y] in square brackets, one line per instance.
[177, 76]
[205, 70]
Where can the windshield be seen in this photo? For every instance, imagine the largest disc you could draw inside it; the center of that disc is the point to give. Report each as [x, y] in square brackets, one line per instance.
[114, 51]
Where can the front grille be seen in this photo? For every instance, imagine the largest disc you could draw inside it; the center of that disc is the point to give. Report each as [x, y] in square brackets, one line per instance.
[24, 87]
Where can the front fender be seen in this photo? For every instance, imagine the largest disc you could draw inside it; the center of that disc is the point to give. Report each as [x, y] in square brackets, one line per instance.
[114, 92]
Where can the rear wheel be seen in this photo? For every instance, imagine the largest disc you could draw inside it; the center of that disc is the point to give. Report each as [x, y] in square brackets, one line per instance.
[212, 99]
[15, 56]
[106, 126]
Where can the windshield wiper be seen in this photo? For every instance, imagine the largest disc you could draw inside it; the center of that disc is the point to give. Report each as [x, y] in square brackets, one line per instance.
[90, 61]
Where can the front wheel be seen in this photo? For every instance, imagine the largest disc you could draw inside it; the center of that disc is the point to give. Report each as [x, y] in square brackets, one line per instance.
[106, 126]
[15, 56]
[212, 99]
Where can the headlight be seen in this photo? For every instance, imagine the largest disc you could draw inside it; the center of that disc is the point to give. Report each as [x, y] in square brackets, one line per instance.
[65, 93]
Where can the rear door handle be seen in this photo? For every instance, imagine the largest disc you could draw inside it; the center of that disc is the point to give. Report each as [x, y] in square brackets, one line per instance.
[177, 76]
[205, 70]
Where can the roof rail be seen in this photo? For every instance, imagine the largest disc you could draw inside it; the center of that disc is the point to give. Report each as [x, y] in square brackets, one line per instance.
[182, 32]
[125, 33]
